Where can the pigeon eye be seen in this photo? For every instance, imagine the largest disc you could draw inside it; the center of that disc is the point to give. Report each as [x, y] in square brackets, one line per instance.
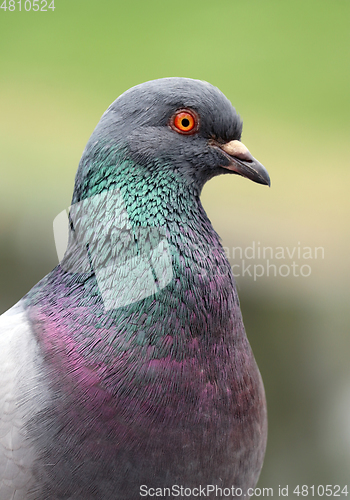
[185, 121]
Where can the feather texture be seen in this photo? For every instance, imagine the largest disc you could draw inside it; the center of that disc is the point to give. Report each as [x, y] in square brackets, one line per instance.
[128, 364]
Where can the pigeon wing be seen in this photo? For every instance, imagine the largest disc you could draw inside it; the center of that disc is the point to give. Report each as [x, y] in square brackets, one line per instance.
[22, 394]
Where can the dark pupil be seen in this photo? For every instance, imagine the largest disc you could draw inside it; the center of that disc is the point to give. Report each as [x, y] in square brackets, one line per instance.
[185, 122]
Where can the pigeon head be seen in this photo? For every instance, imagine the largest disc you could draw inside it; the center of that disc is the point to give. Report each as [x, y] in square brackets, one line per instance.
[184, 127]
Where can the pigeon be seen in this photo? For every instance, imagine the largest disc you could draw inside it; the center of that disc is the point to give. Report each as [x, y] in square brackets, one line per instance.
[126, 372]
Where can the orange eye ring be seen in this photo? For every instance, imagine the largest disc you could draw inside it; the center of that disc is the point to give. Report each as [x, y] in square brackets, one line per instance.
[185, 121]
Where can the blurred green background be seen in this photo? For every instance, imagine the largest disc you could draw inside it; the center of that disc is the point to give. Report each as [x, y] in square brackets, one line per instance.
[285, 67]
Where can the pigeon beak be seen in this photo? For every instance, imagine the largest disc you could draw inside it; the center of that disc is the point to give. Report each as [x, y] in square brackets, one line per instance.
[243, 163]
